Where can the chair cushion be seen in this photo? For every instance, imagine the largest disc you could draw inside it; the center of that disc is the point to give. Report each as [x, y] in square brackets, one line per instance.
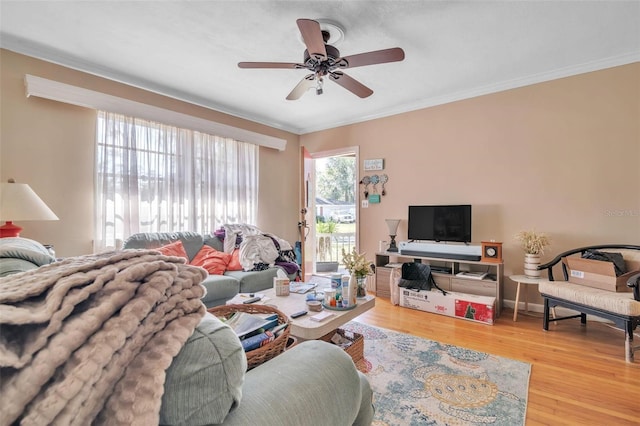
[619, 303]
[204, 381]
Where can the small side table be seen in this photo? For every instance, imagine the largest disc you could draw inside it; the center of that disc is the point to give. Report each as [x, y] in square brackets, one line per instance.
[522, 279]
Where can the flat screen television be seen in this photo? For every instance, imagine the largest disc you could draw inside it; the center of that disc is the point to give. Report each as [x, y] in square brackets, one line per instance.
[440, 223]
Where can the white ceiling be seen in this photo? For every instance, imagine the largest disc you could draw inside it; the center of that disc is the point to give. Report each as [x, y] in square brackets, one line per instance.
[454, 49]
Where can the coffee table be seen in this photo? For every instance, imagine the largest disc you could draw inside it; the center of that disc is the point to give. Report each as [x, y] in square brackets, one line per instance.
[304, 327]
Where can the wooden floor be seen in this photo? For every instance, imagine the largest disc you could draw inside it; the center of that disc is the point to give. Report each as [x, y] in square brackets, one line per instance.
[578, 375]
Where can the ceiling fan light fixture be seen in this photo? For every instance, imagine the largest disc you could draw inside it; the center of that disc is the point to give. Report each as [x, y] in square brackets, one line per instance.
[319, 84]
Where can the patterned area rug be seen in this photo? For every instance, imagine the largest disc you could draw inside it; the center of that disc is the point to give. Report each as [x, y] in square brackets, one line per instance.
[421, 382]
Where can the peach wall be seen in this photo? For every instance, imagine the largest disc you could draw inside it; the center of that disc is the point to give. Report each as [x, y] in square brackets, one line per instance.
[561, 157]
[50, 146]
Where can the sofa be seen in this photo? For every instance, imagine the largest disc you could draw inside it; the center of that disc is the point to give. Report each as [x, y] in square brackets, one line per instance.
[123, 338]
[220, 288]
[313, 383]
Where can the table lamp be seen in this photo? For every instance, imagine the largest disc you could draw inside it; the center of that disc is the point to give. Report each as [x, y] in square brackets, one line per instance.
[392, 224]
[19, 202]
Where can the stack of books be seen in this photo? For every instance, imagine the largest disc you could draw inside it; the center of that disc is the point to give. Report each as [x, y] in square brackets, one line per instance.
[255, 330]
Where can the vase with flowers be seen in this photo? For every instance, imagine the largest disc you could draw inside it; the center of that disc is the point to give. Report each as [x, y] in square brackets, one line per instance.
[533, 243]
[359, 267]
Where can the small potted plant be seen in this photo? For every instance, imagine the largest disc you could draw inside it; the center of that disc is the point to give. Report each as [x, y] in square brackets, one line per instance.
[359, 267]
[533, 243]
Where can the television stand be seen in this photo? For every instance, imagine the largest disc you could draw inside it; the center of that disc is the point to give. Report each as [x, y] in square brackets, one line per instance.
[445, 270]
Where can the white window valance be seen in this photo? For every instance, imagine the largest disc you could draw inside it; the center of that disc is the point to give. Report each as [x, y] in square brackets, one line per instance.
[61, 92]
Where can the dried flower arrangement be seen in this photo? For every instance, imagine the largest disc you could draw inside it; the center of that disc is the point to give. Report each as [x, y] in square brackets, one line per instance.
[356, 263]
[533, 242]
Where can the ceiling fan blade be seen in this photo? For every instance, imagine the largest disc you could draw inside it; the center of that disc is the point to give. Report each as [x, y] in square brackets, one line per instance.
[351, 84]
[305, 84]
[270, 65]
[312, 36]
[394, 54]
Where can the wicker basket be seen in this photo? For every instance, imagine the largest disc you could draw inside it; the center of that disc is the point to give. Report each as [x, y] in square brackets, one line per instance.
[271, 349]
[356, 349]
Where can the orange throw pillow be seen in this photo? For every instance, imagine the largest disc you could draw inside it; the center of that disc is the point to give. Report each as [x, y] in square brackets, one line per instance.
[174, 249]
[214, 261]
[234, 264]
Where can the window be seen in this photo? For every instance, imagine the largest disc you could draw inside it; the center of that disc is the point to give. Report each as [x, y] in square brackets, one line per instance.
[152, 177]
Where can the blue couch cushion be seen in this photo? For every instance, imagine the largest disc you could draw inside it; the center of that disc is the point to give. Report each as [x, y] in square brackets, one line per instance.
[204, 381]
[254, 281]
[192, 241]
[219, 288]
[22, 254]
[213, 241]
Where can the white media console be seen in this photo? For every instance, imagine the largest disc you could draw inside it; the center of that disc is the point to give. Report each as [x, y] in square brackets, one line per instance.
[447, 261]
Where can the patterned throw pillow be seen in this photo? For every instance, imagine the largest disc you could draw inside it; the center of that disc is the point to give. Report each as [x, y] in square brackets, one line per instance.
[174, 249]
[234, 264]
[214, 261]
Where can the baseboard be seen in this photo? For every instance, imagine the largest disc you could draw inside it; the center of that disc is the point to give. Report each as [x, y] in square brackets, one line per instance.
[560, 311]
[533, 307]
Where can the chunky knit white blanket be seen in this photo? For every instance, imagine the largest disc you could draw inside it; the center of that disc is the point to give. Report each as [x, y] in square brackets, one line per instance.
[87, 340]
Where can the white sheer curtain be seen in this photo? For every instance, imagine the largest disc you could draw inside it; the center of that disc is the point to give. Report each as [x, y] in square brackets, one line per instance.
[152, 177]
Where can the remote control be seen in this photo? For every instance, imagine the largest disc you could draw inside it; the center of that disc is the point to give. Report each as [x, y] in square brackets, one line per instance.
[298, 314]
[252, 300]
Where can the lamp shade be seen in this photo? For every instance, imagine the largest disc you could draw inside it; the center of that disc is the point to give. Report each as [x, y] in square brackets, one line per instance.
[392, 224]
[20, 203]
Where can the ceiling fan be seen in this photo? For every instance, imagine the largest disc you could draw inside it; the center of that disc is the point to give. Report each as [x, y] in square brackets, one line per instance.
[324, 60]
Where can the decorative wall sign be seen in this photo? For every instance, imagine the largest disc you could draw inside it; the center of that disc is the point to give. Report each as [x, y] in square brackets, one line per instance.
[376, 164]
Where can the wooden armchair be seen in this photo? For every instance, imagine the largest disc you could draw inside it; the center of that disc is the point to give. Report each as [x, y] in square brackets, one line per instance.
[622, 308]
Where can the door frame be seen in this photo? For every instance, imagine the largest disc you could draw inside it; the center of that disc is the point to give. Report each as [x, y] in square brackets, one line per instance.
[308, 178]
